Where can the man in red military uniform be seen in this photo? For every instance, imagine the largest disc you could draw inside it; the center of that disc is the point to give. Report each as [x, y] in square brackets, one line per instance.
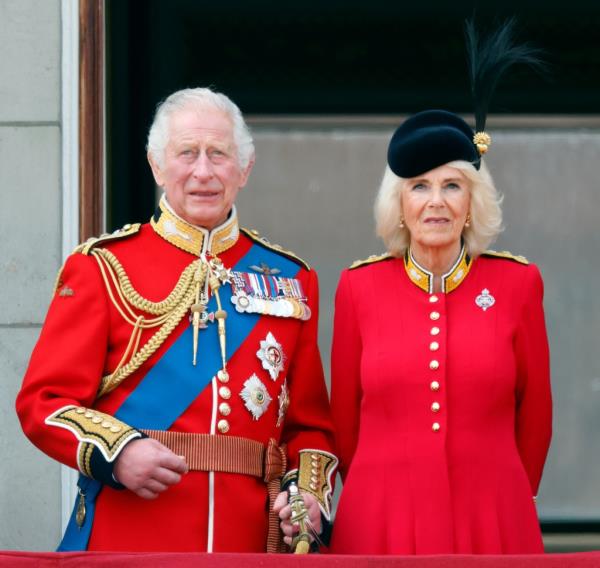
[178, 366]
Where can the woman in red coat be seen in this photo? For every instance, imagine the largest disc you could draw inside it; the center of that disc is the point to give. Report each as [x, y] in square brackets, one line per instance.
[440, 366]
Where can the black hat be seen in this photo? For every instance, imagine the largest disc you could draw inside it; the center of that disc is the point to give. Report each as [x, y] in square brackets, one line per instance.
[432, 138]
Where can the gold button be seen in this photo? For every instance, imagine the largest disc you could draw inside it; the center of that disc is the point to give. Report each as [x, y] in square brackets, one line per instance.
[312, 486]
[434, 316]
[433, 298]
[223, 426]
[435, 386]
[433, 365]
[106, 424]
[126, 227]
[97, 419]
[224, 409]
[80, 410]
[314, 479]
[225, 393]
[436, 426]
[435, 407]
[435, 330]
[315, 456]
[434, 346]
[89, 414]
[223, 376]
[314, 471]
[115, 429]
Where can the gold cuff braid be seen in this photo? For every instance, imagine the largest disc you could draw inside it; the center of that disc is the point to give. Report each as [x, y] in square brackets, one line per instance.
[315, 474]
[93, 429]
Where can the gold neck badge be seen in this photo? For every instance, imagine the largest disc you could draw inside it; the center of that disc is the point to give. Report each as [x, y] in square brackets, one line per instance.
[193, 239]
[423, 278]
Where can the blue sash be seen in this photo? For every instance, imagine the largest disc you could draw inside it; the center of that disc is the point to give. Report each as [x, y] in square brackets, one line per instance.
[173, 383]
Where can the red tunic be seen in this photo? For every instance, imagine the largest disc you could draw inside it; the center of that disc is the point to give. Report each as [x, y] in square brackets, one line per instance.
[84, 337]
[442, 410]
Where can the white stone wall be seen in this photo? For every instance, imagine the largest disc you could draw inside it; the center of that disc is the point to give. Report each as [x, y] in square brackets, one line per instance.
[30, 252]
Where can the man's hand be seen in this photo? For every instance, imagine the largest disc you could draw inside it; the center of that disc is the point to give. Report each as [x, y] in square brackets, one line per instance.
[148, 468]
[283, 509]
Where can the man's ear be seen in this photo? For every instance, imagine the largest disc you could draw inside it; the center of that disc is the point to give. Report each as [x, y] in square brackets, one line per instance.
[246, 172]
[156, 171]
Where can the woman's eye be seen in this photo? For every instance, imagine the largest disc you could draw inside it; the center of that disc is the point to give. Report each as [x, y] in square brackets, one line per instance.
[452, 185]
[419, 187]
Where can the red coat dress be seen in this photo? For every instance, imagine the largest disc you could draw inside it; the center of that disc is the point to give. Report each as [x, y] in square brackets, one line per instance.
[442, 407]
[85, 337]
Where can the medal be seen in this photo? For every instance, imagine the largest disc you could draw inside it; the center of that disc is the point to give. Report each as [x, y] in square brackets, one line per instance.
[271, 356]
[255, 396]
[284, 402]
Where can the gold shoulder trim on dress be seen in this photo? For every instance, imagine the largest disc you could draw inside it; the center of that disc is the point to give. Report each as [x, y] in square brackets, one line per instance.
[255, 236]
[370, 260]
[505, 254]
[124, 232]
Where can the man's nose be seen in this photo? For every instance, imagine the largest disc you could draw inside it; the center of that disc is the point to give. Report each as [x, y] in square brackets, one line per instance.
[203, 168]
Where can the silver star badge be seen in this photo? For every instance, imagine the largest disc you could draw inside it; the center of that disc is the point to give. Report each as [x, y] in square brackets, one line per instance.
[255, 396]
[271, 355]
[485, 300]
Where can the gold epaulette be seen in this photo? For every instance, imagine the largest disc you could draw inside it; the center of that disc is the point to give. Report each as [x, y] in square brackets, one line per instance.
[370, 260]
[505, 254]
[126, 231]
[255, 236]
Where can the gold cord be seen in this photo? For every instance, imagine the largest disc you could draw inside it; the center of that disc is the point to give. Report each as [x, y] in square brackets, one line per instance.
[170, 311]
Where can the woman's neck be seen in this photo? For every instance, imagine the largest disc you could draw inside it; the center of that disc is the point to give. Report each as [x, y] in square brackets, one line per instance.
[437, 260]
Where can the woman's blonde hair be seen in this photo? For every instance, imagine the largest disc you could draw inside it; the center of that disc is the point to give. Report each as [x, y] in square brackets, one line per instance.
[485, 211]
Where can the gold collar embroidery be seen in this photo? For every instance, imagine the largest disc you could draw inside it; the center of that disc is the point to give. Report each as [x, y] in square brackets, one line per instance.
[190, 238]
[450, 281]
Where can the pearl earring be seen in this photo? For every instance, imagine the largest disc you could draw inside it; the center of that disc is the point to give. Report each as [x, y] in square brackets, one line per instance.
[468, 220]
[401, 224]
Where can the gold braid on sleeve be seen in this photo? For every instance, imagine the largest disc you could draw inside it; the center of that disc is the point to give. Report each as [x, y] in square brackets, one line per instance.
[169, 312]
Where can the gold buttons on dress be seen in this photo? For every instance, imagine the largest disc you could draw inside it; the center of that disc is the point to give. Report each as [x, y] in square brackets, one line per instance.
[114, 429]
[313, 486]
[223, 376]
[223, 426]
[433, 365]
[434, 386]
[434, 346]
[224, 409]
[96, 419]
[434, 316]
[435, 407]
[80, 410]
[225, 393]
[435, 330]
[436, 426]
[106, 424]
[433, 299]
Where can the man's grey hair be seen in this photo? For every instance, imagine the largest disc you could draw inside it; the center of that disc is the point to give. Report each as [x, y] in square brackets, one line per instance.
[158, 136]
[485, 211]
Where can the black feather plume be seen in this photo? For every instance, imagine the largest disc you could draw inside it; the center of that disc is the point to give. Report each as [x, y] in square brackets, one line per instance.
[488, 59]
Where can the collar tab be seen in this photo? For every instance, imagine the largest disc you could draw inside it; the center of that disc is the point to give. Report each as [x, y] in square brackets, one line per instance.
[423, 278]
[193, 239]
